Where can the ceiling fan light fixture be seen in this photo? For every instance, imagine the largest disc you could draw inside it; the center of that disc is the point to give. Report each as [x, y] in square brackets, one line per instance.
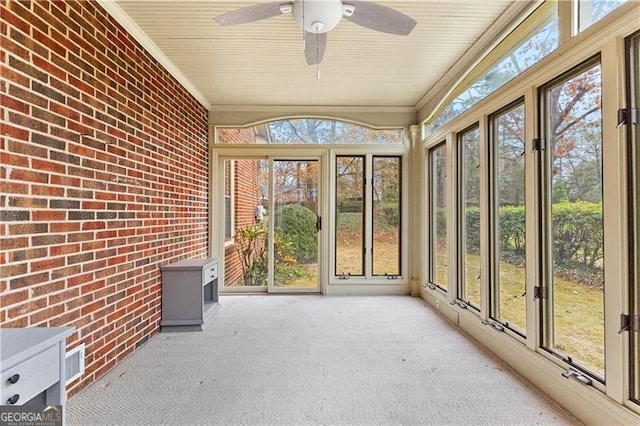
[310, 13]
[317, 17]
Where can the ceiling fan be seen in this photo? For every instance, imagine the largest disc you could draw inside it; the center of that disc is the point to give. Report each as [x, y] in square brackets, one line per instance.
[317, 17]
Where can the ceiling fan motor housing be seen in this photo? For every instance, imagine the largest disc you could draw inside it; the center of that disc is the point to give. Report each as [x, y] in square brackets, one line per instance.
[317, 16]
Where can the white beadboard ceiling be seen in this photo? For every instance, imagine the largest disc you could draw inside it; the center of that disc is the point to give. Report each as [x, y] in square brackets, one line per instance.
[261, 65]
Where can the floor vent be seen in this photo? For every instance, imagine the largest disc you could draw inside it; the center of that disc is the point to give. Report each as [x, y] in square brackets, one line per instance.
[75, 363]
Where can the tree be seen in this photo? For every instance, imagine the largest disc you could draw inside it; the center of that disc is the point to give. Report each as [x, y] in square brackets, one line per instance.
[536, 47]
[296, 181]
[509, 152]
[325, 131]
[576, 135]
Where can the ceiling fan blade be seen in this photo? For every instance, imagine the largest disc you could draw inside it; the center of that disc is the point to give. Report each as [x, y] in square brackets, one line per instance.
[252, 13]
[314, 46]
[380, 18]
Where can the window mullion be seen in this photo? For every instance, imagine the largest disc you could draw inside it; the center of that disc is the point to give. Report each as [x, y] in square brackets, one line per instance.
[567, 20]
[484, 219]
[368, 215]
[532, 219]
[453, 187]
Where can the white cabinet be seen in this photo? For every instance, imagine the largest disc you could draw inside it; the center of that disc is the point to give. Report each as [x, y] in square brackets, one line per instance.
[33, 366]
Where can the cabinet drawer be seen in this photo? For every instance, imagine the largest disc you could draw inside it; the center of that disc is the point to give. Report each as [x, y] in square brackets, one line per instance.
[210, 274]
[36, 374]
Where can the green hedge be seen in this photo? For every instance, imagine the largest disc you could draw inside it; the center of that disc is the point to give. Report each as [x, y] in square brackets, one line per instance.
[577, 230]
[512, 228]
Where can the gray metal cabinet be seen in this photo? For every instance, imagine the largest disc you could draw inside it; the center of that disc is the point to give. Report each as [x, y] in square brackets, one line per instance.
[189, 291]
[33, 366]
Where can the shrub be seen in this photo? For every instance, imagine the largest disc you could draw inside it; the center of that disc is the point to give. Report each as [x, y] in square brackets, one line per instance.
[512, 228]
[441, 218]
[472, 236]
[251, 245]
[389, 213]
[296, 229]
[577, 230]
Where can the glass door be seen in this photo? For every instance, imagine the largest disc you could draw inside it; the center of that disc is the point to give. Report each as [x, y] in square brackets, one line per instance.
[296, 225]
[246, 194]
[271, 225]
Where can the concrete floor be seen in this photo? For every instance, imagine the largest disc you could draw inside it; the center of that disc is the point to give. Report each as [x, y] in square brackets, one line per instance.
[310, 360]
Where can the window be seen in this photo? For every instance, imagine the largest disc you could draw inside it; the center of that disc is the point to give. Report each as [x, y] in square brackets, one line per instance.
[519, 59]
[386, 186]
[310, 131]
[508, 302]
[368, 217]
[590, 11]
[438, 216]
[469, 218]
[633, 138]
[349, 215]
[574, 253]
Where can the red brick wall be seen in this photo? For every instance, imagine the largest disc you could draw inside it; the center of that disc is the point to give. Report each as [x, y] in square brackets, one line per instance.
[236, 135]
[104, 178]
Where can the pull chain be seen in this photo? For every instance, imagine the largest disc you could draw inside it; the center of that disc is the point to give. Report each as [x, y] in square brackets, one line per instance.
[317, 55]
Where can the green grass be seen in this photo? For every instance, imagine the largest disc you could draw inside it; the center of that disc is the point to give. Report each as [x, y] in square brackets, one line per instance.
[349, 245]
[578, 312]
[386, 256]
[308, 278]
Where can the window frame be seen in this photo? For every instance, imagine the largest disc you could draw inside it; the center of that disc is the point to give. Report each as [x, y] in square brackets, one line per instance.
[367, 275]
[263, 133]
[400, 213]
[581, 13]
[335, 271]
[461, 223]
[546, 312]
[632, 134]
[494, 254]
[432, 216]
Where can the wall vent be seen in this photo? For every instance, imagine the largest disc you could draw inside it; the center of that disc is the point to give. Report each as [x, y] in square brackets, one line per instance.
[75, 363]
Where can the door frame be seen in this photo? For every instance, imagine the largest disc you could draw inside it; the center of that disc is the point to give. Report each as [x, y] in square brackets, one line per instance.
[271, 287]
[328, 283]
[217, 214]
